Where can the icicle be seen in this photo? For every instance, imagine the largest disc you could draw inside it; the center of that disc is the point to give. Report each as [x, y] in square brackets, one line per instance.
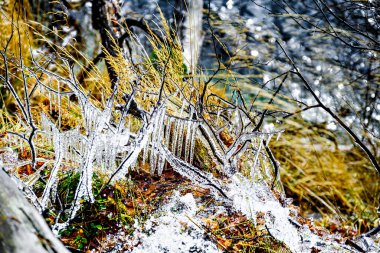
[177, 127]
[50, 102]
[161, 164]
[168, 130]
[161, 158]
[217, 116]
[153, 154]
[153, 162]
[55, 98]
[160, 130]
[156, 140]
[180, 138]
[192, 144]
[188, 139]
[175, 135]
[269, 138]
[146, 150]
[112, 151]
[59, 105]
[238, 120]
[139, 143]
[278, 136]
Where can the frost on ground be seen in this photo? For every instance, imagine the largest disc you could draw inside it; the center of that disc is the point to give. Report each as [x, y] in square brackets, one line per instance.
[179, 225]
[253, 198]
[175, 231]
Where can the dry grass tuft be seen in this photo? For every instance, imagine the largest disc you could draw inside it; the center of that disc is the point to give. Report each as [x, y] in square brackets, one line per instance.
[339, 184]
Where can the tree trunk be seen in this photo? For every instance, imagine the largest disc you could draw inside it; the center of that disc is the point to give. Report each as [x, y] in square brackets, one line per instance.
[189, 28]
[101, 23]
[22, 228]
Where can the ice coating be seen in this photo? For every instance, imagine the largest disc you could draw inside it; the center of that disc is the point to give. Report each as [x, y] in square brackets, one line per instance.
[252, 198]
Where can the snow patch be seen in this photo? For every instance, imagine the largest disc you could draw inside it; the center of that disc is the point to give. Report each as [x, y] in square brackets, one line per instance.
[175, 231]
[252, 198]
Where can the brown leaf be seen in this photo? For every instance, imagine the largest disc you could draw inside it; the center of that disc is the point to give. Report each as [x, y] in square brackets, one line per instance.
[226, 138]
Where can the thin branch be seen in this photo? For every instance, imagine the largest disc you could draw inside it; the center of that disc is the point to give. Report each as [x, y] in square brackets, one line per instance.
[360, 143]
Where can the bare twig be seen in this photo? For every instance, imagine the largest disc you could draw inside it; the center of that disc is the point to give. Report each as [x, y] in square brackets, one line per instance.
[359, 142]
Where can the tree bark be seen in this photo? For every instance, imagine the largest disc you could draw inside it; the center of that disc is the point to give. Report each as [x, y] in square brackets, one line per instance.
[101, 23]
[22, 228]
